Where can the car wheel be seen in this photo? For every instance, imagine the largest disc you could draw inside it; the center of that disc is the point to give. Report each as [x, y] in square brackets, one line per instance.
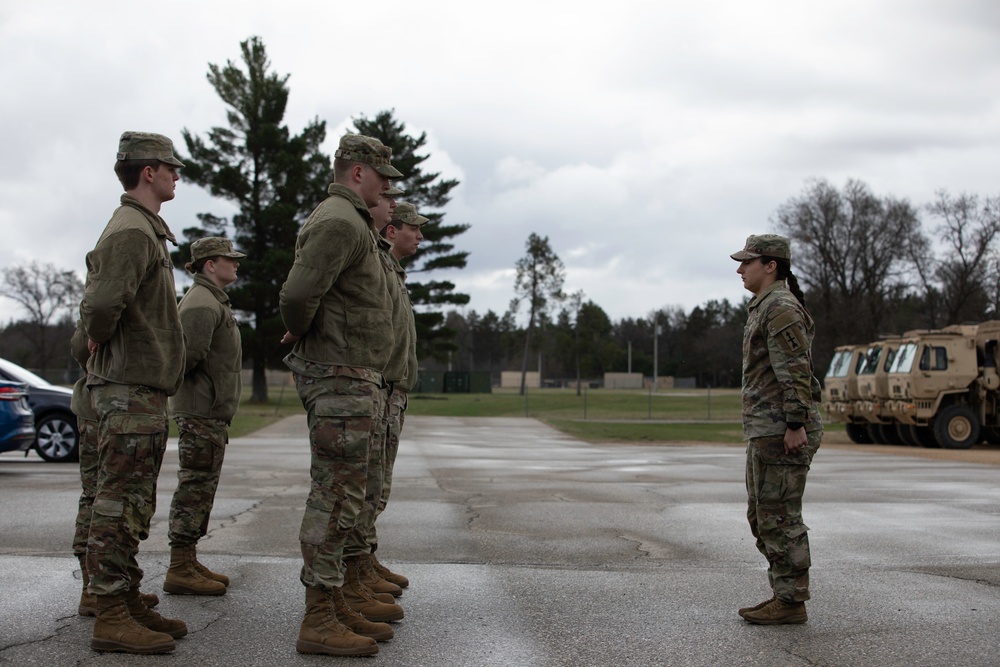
[57, 438]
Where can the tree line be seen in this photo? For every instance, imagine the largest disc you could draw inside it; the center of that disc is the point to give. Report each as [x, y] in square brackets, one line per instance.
[869, 265]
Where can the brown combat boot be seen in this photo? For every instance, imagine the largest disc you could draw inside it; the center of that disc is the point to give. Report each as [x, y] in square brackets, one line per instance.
[356, 622]
[322, 633]
[88, 602]
[759, 605]
[116, 630]
[362, 600]
[778, 612]
[139, 612]
[183, 578]
[205, 572]
[371, 578]
[388, 574]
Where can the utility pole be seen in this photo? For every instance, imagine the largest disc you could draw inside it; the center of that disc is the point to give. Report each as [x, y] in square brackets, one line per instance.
[656, 348]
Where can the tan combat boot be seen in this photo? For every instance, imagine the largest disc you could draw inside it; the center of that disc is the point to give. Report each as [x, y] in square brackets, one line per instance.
[322, 633]
[387, 574]
[778, 612]
[205, 572]
[356, 622]
[116, 630]
[362, 600]
[371, 578]
[759, 605]
[142, 614]
[184, 579]
[88, 602]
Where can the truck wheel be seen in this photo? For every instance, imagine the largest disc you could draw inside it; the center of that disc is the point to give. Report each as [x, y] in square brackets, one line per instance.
[889, 434]
[875, 434]
[956, 427]
[991, 434]
[906, 435]
[924, 435]
[858, 434]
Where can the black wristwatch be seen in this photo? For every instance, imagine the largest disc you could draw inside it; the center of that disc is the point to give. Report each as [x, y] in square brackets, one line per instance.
[794, 426]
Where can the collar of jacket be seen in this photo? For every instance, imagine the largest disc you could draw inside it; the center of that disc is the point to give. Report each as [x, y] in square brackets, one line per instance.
[159, 224]
[217, 292]
[754, 302]
[338, 190]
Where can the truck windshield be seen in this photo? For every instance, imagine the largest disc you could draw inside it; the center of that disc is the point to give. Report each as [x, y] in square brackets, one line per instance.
[870, 364]
[840, 364]
[904, 358]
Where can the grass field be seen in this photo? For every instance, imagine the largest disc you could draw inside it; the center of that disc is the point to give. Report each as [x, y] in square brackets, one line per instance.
[597, 415]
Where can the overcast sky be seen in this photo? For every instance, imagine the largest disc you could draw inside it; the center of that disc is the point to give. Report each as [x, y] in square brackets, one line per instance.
[645, 139]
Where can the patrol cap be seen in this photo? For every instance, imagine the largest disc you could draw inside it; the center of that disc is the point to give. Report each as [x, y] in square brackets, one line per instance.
[211, 246]
[147, 146]
[765, 245]
[406, 213]
[393, 191]
[359, 148]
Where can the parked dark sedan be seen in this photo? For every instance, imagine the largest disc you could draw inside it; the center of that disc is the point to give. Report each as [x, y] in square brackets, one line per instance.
[57, 438]
[17, 423]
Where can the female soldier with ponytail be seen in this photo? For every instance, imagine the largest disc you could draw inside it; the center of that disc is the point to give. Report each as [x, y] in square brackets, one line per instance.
[781, 423]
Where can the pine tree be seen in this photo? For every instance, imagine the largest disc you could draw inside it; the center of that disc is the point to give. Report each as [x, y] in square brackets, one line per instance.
[275, 178]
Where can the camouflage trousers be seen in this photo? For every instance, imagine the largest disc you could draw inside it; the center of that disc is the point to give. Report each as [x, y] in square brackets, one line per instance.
[358, 541]
[132, 436]
[201, 448]
[775, 484]
[88, 482]
[344, 414]
[397, 411]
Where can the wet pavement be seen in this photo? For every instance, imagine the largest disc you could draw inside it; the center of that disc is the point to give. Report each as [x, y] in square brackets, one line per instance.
[526, 547]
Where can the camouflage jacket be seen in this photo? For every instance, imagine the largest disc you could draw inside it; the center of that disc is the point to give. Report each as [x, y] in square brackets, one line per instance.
[778, 381]
[212, 383]
[335, 297]
[129, 305]
[402, 368]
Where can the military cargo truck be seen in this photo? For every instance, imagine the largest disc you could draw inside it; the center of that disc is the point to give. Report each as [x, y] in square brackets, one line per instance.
[873, 393]
[944, 385]
[840, 391]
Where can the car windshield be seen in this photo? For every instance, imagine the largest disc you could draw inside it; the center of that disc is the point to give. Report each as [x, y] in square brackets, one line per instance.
[22, 375]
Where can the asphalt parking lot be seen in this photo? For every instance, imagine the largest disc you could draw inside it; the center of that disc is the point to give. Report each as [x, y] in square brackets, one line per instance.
[526, 547]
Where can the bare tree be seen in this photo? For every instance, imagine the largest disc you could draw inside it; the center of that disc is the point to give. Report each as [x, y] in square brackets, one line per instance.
[540, 276]
[45, 292]
[853, 252]
[970, 232]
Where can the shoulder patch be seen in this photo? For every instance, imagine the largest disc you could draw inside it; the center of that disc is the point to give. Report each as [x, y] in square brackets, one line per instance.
[787, 330]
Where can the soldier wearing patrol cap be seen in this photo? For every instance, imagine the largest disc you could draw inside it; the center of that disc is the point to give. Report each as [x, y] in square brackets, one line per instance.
[335, 304]
[404, 233]
[203, 408]
[781, 423]
[362, 567]
[136, 345]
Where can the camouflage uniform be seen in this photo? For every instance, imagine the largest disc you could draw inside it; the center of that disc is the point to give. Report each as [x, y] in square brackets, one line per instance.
[129, 309]
[336, 302]
[402, 369]
[208, 398]
[779, 388]
[86, 424]
[359, 541]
